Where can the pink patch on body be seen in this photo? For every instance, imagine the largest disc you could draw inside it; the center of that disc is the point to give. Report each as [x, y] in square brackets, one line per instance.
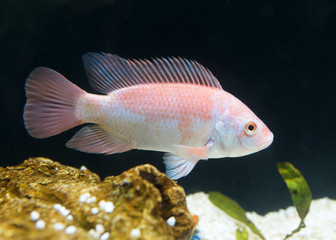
[159, 102]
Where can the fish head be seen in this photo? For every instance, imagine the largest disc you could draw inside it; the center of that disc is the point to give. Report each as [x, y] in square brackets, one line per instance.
[242, 132]
[253, 136]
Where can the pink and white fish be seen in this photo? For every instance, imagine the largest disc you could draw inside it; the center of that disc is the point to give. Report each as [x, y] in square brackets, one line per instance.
[171, 105]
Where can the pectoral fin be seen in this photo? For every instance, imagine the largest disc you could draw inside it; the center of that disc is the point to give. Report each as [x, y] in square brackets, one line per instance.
[182, 161]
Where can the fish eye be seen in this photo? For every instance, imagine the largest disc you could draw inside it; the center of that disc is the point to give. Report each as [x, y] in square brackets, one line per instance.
[250, 128]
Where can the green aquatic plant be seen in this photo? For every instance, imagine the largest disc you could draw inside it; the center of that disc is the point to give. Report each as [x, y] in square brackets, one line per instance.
[242, 234]
[299, 190]
[234, 210]
[300, 194]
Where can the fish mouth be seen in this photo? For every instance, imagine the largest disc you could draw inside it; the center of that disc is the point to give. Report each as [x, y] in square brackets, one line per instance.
[268, 141]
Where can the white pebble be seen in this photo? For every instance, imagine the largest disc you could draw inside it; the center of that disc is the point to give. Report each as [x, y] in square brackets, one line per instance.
[40, 224]
[83, 168]
[93, 233]
[135, 233]
[70, 230]
[100, 228]
[65, 212]
[57, 207]
[34, 216]
[69, 218]
[171, 221]
[59, 226]
[84, 197]
[109, 207]
[61, 209]
[91, 200]
[101, 204]
[94, 210]
[105, 236]
[56, 168]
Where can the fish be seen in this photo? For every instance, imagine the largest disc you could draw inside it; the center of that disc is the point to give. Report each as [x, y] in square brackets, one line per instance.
[171, 105]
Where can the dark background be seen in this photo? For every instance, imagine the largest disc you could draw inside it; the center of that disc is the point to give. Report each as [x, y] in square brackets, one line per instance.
[278, 57]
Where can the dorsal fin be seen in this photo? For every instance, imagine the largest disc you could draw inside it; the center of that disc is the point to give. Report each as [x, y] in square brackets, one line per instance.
[107, 72]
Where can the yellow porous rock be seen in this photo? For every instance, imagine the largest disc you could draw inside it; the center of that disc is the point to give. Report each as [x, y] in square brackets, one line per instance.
[43, 199]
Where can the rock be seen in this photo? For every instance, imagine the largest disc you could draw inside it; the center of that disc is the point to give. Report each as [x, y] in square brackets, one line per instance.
[42, 199]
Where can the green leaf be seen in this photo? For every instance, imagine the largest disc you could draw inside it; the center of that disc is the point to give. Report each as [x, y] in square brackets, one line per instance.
[298, 187]
[233, 209]
[242, 235]
[299, 190]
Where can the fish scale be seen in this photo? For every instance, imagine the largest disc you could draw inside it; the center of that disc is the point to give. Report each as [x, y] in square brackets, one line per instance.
[167, 104]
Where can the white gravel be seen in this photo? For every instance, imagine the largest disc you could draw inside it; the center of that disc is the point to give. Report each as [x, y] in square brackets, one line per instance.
[105, 236]
[171, 221]
[59, 226]
[69, 217]
[108, 207]
[94, 210]
[40, 224]
[214, 224]
[135, 233]
[34, 216]
[70, 230]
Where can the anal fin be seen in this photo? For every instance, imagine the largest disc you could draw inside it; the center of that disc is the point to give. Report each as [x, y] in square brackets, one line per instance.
[95, 139]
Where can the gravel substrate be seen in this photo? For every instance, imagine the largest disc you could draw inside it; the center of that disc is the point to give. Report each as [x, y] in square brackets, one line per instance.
[214, 224]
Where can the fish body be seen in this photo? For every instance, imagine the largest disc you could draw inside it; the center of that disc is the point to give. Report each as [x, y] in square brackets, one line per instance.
[170, 105]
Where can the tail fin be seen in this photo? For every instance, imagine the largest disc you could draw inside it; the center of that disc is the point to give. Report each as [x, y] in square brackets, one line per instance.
[50, 106]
